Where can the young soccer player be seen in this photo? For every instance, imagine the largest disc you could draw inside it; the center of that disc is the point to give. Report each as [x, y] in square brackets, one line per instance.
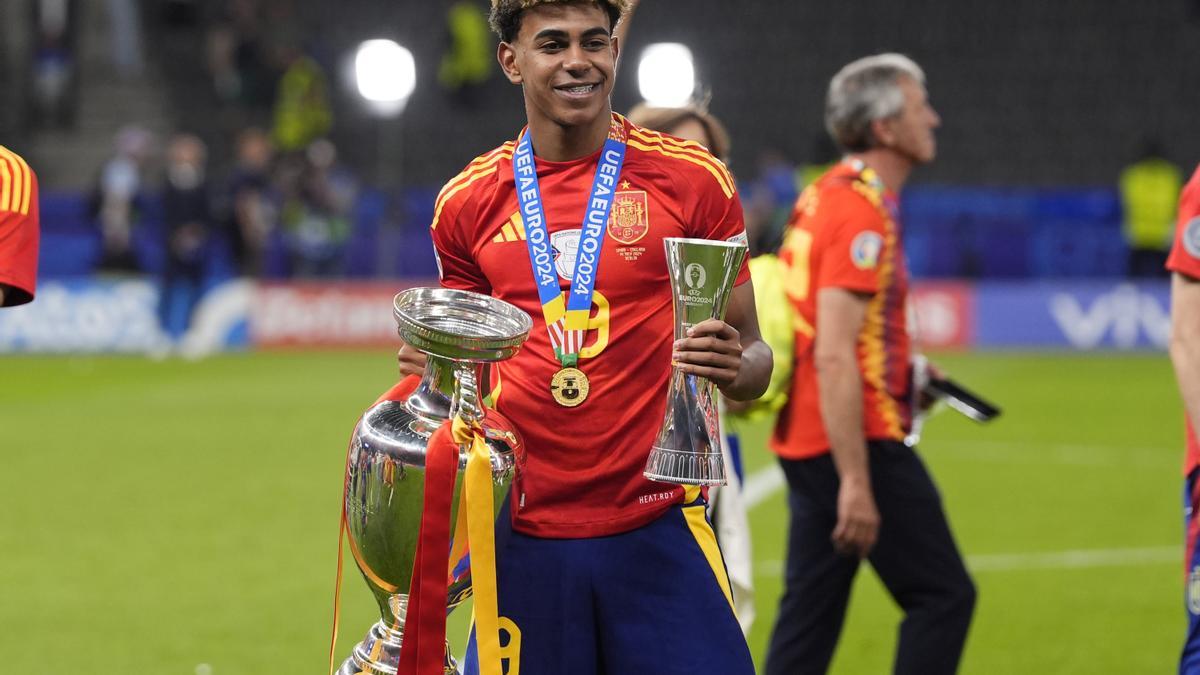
[605, 571]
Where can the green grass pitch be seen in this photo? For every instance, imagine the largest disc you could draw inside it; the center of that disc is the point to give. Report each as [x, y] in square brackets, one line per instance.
[181, 517]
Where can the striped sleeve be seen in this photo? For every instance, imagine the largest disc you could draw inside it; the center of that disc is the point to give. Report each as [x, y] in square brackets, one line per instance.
[451, 228]
[707, 193]
[18, 228]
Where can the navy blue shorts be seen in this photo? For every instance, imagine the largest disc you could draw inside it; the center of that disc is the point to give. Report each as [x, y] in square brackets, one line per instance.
[652, 600]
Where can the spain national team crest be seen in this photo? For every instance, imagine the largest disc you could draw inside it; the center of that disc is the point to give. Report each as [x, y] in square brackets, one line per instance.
[630, 219]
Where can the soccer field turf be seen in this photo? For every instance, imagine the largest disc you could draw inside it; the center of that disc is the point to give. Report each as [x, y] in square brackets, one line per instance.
[157, 516]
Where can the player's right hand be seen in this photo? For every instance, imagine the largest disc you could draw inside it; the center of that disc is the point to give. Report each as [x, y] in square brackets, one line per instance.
[857, 520]
[412, 361]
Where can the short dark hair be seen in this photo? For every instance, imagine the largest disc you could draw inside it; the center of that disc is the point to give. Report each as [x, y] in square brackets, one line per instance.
[505, 18]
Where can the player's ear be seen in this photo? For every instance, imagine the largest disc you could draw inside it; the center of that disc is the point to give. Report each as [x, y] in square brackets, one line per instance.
[881, 129]
[506, 54]
[615, 41]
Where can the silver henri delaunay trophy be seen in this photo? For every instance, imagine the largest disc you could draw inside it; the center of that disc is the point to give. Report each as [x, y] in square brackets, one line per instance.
[460, 332]
[687, 450]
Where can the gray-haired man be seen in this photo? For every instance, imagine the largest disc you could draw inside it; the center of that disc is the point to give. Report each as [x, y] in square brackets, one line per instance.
[856, 489]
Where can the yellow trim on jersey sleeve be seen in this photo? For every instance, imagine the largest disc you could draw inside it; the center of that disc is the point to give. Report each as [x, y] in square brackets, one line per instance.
[16, 184]
[695, 156]
[480, 168]
[5, 186]
[690, 147]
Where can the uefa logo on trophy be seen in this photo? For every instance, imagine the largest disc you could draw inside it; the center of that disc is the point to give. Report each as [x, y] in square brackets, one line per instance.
[460, 332]
[687, 449]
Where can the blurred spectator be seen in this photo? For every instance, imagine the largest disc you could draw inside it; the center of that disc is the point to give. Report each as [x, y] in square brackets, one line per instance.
[187, 220]
[54, 77]
[1149, 193]
[252, 202]
[302, 110]
[319, 196]
[235, 57]
[768, 201]
[125, 37]
[116, 200]
[468, 60]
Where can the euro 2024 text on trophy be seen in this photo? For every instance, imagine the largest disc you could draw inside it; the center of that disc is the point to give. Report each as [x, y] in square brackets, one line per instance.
[687, 450]
[460, 332]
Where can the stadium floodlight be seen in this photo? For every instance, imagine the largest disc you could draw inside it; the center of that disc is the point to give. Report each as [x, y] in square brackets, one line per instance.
[386, 75]
[667, 75]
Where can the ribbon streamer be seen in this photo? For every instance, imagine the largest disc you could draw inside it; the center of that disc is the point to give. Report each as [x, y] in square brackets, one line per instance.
[481, 522]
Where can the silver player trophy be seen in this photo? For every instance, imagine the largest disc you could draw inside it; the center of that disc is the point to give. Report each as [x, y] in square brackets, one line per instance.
[688, 447]
[385, 475]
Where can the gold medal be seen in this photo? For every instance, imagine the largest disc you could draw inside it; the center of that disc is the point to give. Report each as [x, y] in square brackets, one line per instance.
[569, 387]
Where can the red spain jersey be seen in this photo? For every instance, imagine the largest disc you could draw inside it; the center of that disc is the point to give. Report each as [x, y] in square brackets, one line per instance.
[1185, 259]
[842, 234]
[581, 474]
[18, 228]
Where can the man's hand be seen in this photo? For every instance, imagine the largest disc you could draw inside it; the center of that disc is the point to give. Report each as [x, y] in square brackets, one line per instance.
[925, 371]
[712, 349]
[858, 519]
[412, 361]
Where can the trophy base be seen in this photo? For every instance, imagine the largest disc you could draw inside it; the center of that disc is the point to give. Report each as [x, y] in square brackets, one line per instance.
[685, 468]
[379, 654]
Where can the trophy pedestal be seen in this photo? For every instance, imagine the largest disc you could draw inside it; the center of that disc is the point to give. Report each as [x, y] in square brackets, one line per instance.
[685, 468]
[379, 652]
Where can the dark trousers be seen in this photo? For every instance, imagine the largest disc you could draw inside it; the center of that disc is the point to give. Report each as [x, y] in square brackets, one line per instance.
[915, 556]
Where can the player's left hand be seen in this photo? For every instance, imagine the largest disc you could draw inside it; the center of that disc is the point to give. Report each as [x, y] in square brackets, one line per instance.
[926, 399]
[712, 349]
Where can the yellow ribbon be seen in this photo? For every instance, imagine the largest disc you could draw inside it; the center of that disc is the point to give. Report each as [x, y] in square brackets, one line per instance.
[481, 521]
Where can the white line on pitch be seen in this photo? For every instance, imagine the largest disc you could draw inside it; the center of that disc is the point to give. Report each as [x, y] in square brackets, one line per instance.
[1084, 558]
[762, 484]
[765, 482]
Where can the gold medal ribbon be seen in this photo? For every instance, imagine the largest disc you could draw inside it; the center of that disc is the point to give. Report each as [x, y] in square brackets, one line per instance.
[481, 536]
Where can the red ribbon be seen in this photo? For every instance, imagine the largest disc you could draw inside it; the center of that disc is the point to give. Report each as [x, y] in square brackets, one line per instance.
[424, 648]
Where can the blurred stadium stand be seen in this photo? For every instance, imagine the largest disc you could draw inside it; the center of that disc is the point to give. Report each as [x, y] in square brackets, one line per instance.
[1042, 104]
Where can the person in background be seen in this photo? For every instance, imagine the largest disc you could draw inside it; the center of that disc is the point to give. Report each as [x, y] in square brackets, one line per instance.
[316, 211]
[116, 201]
[18, 230]
[1149, 190]
[251, 207]
[187, 215]
[856, 489]
[1184, 265]
[54, 61]
[303, 112]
